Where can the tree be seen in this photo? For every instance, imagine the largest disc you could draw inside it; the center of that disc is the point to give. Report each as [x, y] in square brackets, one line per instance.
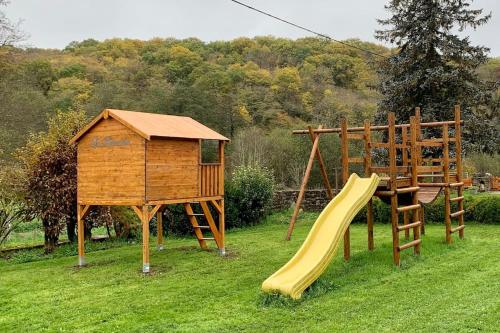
[10, 32]
[48, 179]
[434, 67]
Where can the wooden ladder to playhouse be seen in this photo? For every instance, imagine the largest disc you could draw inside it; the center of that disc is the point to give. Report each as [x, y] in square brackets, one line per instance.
[210, 226]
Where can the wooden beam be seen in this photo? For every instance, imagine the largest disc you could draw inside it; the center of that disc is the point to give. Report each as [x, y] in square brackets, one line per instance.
[216, 206]
[152, 213]
[138, 211]
[302, 188]
[322, 167]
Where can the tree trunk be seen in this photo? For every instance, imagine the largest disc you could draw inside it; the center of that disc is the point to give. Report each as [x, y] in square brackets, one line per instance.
[87, 226]
[50, 243]
[71, 230]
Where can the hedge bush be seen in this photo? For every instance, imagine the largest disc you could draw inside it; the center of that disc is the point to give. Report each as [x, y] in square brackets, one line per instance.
[248, 196]
[483, 208]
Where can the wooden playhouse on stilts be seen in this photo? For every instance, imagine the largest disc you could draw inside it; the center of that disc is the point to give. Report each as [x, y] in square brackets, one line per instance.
[148, 161]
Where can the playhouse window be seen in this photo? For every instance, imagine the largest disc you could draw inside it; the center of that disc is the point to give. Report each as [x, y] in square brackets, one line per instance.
[209, 151]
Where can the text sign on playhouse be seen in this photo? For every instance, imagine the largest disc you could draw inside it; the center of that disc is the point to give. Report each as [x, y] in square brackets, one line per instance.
[108, 141]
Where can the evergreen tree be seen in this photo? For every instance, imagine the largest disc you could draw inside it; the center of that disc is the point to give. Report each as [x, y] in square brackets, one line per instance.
[434, 67]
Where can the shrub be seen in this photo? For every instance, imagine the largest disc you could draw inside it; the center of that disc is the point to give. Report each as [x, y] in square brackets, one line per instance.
[9, 218]
[479, 208]
[249, 194]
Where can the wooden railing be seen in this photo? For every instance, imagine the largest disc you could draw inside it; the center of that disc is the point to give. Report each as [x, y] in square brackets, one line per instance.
[211, 179]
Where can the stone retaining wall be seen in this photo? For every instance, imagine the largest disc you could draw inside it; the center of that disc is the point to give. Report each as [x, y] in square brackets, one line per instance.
[314, 200]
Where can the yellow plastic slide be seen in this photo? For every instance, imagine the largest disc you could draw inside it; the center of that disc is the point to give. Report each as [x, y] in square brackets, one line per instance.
[322, 242]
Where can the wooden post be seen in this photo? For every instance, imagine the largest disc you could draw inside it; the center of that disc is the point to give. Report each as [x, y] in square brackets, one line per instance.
[414, 182]
[369, 207]
[302, 188]
[418, 129]
[404, 151]
[321, 163]
[406, 220]
[145, 239]
[159, 223]
[422, 220]
[222, 227]
[446, 173]
[393, 187]
[345, 177]
[81, 234]
[221, 168]
[458, 153]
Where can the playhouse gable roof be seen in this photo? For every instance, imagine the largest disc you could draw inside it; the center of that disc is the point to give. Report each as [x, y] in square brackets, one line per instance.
[150, 125]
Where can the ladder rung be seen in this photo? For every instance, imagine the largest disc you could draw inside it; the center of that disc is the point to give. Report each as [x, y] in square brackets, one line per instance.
[409, 244]
[426, 143]
[379, 145]
[409, 226]
[407, 189]
[356, 160]
[202, 227]
[432, 184]
[457, 199]
[207, 238]
[355, 136]
[460, 212]
[195, 214]
[457, 184]
[457, 228]
[407, 208]
[384, 193]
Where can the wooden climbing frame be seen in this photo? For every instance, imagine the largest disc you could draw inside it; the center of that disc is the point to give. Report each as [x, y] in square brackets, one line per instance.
[402, 180]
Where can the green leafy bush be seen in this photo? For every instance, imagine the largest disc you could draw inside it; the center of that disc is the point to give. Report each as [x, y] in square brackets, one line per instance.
[484, 208]
[249, 194]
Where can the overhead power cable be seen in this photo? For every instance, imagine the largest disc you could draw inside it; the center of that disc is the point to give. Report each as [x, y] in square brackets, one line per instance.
[307, 29]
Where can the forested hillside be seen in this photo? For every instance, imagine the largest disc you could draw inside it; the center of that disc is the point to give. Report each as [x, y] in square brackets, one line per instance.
[266, 82]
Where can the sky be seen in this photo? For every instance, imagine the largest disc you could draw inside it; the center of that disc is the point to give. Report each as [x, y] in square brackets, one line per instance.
[55, 23]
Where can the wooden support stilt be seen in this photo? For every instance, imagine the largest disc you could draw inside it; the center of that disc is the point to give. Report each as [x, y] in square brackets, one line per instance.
[458, 159]
[446, 179]
[81, 212]
[368, 162]
[302, 188]
[222, 227]
[159, 223]
[393, 187]
[145, 239]
[345, 176]
[369, 222]
[416, 220]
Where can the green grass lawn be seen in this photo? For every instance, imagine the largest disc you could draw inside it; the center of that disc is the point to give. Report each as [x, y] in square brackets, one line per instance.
[448, 288]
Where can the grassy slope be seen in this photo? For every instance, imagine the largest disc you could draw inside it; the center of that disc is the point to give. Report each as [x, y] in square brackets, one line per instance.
[449, 288]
